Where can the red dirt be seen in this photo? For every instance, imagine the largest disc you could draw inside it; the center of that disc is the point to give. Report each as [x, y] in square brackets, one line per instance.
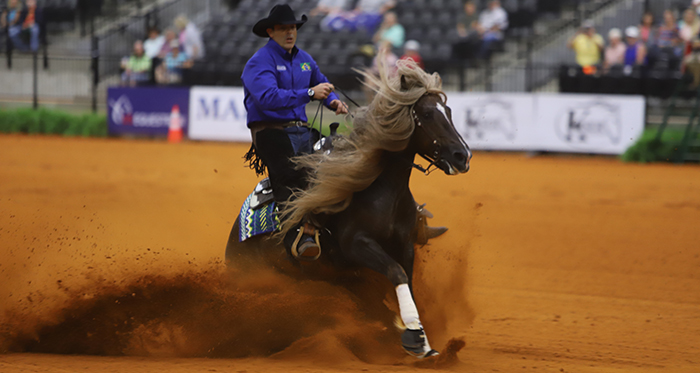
[114, 248]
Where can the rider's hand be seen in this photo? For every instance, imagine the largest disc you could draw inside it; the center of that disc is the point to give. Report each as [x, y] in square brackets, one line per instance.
[322, 91]
[339, 106]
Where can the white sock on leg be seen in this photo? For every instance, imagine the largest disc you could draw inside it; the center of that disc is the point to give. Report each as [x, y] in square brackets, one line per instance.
[407, 307]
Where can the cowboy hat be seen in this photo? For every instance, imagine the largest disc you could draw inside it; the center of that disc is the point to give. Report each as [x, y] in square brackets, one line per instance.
[279, 15]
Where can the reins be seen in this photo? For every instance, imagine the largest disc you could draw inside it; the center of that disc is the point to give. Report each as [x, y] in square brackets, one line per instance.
[416, 121]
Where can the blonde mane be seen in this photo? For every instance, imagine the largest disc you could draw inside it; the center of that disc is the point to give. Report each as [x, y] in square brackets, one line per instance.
[385, 125]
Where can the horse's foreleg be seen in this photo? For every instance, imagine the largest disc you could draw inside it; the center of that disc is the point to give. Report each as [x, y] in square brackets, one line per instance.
[367, 252]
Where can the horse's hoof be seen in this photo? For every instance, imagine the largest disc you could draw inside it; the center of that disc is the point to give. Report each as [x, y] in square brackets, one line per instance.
[430, 353]
[413, 342]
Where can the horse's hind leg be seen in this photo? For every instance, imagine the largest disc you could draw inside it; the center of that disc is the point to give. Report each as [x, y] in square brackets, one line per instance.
[367, 252]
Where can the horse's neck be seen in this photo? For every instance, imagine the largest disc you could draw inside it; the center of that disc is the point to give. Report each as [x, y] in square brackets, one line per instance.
[397, 169]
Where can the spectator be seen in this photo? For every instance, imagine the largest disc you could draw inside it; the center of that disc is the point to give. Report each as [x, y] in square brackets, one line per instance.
[492, 22]
[367, 16]
[696, 6]
[390, 31]
[411, 51]
[587, 44]
[375, 6]
[667, 34]
[190, 38]
[646, 28]
[31, 23]
[468, 32]
[328, 7]
[137, 68]
[13, 18]
[154, 44]
[468, 22]
[170, 71]
[691, 64]
[636, 53]
[615, 51]
[690, 26]
[169, 37]
[368, 13]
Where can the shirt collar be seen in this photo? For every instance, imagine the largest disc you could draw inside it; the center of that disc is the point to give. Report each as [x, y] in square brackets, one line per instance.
[281, 51]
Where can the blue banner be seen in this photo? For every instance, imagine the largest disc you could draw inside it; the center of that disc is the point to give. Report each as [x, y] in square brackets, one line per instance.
[147, 110]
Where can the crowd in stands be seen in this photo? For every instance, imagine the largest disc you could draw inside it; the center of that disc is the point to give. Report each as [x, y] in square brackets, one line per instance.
[160, 58]
[479, 32]
[22, 21]
[673, 44]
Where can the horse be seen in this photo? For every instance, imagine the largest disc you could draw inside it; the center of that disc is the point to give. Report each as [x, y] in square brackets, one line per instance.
[361, 192]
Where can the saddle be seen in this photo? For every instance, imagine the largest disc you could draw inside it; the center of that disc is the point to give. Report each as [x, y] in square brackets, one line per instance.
[262, 194]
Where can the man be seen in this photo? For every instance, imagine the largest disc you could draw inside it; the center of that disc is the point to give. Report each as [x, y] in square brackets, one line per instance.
[587, 44]
[492, 23]
[278, 81]
[469, 33]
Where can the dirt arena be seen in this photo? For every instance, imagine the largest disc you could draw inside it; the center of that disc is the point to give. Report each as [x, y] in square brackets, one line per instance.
[111, 261]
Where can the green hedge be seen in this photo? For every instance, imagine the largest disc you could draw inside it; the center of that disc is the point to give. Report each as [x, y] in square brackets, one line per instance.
[648, 149]
[55, 122]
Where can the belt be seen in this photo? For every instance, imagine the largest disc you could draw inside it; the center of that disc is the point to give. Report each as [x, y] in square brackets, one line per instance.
[281, 125]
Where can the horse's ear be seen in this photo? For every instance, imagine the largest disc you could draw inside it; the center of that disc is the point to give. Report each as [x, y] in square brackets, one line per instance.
[404, 84]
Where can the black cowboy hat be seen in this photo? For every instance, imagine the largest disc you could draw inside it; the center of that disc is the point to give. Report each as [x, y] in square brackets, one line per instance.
[279, 15]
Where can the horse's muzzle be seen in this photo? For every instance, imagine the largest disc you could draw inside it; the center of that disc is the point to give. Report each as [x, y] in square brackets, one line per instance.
[456, 161]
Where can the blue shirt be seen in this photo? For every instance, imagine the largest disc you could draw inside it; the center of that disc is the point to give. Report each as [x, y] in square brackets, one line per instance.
[276, 84]
[174, 63]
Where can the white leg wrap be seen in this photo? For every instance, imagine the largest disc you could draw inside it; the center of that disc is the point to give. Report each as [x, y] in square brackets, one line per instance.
[409, 312]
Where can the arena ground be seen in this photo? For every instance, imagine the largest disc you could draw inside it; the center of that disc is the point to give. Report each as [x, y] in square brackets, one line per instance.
[551, 264]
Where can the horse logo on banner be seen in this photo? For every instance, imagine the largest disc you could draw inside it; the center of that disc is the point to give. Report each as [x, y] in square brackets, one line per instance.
[495, 117]
[590, 124]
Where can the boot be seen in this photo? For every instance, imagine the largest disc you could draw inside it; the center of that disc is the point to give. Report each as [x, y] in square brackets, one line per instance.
[423, 231]
[306, 246]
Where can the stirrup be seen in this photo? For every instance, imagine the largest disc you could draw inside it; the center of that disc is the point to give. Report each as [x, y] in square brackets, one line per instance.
[298, 252]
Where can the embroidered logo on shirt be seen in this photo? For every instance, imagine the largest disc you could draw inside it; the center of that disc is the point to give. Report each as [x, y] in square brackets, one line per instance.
[281, 68]
[305, 66]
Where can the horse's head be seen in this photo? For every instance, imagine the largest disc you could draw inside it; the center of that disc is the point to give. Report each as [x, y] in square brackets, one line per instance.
[435, 136]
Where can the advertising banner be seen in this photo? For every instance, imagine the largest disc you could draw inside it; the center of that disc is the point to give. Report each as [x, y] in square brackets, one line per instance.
[146, 110]
[494, 121]
[601, 124]
[218, 113]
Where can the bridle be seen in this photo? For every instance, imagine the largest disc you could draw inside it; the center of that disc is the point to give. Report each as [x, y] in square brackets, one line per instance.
[433, 158]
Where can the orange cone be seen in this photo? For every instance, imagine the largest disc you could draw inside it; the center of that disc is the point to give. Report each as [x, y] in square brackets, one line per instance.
[175, 128]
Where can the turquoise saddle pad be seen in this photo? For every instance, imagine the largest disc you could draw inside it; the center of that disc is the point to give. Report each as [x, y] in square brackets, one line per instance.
[256, 222]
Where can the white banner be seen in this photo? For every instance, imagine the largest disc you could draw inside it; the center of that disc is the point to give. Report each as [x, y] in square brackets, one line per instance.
[218, 113]
[493, 121]
[602, 124]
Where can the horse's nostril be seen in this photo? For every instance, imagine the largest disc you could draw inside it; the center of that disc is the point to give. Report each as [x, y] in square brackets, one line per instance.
[460, 157]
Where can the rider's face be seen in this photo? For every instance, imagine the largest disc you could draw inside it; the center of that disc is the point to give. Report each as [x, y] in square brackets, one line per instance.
[284, 35]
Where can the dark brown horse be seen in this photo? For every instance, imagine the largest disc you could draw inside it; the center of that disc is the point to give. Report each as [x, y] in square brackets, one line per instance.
[361, 190]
